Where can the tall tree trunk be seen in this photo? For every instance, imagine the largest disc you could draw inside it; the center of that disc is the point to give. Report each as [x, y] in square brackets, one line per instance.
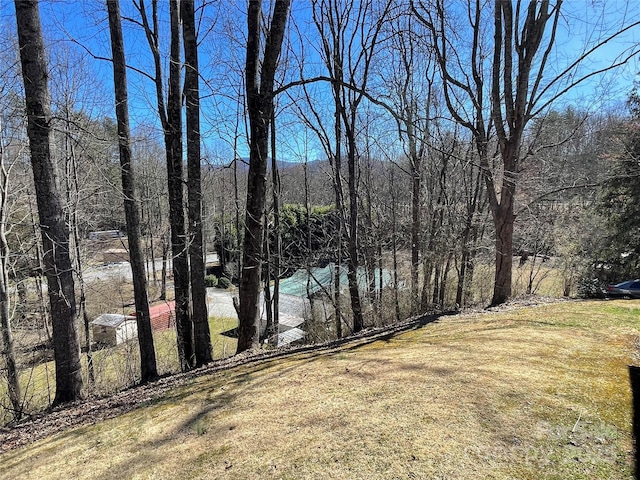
[55, 235]
[337, 283]
[260, 75]
[171, 118]
[337, 188]
[519, 62]
[353, 262]
[371, 239]
[236, 199]
[163, 274]
[266, 274]
[277, 233]
[200, 317]
[416, 158]
[476, 203]
[223, 229]
[436, 283]
[148, 367]
[272, 258]
[504, 256]
[394, 246]
[8, 350]
[462, 272]
[443, 283]
[71, 171]
[173, 133]
[416, 231]
[42, 306]
[427, 281]
[152, 255]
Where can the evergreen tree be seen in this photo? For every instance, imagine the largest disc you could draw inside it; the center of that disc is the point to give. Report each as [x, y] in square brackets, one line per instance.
[619, 255]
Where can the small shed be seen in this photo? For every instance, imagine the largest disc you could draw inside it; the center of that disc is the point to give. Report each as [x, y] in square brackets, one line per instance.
[114, 329]
[163, 316]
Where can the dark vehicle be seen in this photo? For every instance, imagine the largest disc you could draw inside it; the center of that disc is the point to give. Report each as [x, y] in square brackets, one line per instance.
[628, 289]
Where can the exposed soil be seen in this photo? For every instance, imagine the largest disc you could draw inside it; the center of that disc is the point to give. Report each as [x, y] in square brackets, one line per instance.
[95, 410]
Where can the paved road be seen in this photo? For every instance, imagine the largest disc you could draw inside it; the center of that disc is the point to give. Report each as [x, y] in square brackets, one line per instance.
[123, 269]
[219, 302]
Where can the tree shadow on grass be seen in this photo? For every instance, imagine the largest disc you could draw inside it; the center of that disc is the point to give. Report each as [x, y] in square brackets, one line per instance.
[177, 388]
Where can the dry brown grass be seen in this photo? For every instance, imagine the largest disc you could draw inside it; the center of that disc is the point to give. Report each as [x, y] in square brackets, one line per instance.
[115, 368]
[535, 393]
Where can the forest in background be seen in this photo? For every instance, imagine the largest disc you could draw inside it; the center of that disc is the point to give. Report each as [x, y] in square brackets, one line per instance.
[473, 157]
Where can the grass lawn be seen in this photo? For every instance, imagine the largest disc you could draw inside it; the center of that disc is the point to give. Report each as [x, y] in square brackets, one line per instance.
[116, 367]
[534, 393]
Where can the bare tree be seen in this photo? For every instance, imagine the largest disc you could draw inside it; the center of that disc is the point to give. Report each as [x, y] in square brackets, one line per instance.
[72, 189]
[75, 140]
[273, 245]
[8, 350]
[475, 208]
[200, 318]
[175, 176]
[410, 85]
[261, 66]
[349, 34]
[148, 367]
[55, 235]
[149, 158]
[496, 87]
[170, 113]
[312, 116]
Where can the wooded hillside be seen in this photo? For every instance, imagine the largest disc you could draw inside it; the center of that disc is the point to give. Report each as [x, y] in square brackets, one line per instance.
[433, 154]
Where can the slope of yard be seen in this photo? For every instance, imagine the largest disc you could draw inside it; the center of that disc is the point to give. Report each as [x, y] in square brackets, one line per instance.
[532, 393]
[115, 367]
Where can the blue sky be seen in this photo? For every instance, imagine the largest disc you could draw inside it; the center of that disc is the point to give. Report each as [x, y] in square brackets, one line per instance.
[75, 29]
